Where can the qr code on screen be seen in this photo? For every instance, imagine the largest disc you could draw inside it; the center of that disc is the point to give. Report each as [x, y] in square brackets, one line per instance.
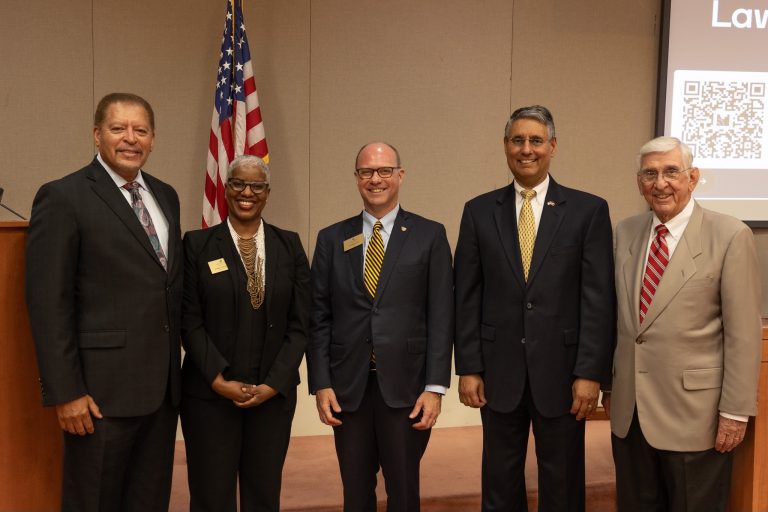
[722, 116]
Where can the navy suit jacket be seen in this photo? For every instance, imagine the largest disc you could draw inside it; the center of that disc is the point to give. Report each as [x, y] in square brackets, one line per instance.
[104, 313]
[409, 323]
[210, 319]
[559, 325]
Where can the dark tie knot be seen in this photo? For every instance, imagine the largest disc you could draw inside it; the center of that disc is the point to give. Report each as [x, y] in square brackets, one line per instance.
[377, 226]
[528, 194]
[132, 185]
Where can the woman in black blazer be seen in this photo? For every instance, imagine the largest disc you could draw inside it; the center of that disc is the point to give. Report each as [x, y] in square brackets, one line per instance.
[244, 329]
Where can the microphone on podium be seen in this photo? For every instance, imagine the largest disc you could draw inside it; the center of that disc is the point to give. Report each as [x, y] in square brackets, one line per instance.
[10, 210]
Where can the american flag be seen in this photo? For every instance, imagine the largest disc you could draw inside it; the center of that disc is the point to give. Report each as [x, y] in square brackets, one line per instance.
[236, 126]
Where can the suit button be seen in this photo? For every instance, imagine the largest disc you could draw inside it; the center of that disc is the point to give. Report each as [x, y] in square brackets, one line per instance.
[529, 305]
[271, 325]
[640, 341]
[375, 310]
[522, 341]
[367, 340]
[167, 329]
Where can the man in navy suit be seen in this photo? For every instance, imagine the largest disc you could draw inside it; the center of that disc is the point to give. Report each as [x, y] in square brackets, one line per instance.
[380, 343]
[104, 274]
[535, 320]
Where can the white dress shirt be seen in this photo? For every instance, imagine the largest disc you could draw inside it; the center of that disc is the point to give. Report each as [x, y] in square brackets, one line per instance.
[155, 213]
[537, 203]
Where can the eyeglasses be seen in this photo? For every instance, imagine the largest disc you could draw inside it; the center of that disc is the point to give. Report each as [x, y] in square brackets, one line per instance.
[533, 141]
[383, 172]
[257, 187]
[668, 175]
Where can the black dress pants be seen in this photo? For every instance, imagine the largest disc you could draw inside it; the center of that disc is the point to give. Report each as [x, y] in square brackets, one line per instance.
[651, 480]
[378, 435]
[126, 465]
[225, 443]
[559, 456]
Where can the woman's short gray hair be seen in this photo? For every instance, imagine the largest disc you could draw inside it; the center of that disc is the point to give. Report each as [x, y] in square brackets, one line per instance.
[248, 161]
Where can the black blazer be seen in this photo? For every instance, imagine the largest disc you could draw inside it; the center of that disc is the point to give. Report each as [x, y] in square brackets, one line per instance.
[210, 308]
[561, 324]
[105, 315]
[409, 323]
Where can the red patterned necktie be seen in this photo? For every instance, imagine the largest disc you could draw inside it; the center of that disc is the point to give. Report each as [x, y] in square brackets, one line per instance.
[146, 221]
[658, 258]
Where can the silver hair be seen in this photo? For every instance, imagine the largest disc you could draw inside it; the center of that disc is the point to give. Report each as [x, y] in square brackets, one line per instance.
[665, 145]
[248, 161]
[535, 112]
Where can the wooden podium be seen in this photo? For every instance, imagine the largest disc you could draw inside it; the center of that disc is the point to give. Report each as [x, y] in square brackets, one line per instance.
[749, 484]
[30, 437]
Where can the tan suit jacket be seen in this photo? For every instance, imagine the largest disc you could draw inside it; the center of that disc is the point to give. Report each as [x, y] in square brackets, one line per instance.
[698, 351]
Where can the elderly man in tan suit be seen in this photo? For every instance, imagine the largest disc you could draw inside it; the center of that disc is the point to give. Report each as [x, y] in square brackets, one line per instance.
[689, 337]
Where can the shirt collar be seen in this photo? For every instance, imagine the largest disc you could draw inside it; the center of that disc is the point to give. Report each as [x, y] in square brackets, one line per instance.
[677, 224]
[119, 180]
[387, 221]
[541, 190]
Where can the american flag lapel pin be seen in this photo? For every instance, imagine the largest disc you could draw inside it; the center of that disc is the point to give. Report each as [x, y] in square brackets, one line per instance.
[550, 203]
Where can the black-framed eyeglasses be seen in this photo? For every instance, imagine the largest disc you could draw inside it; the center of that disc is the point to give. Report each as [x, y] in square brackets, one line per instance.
[383, 172]
[238, 185]
[671, 174]
[534, 141]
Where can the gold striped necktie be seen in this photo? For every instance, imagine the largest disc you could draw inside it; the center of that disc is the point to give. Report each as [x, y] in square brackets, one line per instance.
[526, 230]
[374, 257]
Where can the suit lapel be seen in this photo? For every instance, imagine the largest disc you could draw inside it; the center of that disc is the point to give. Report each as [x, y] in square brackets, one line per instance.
[400, 232]
[106, 189]
[681, 267]
[270, 249]
[506, 224]
[225, 248]
[354, 227]
[633, 269]
[551, 216]
[165, 207]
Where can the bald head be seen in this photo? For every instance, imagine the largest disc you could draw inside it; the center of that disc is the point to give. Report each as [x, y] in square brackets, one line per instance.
[381, 149]
[379, 175]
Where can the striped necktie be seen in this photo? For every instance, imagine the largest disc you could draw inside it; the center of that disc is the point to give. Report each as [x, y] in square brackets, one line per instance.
[658, 258]
[526, 230]
[146, 221]
[374, 257]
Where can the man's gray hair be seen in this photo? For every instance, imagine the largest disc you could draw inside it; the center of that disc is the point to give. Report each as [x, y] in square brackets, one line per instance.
[665, 145]
[248, 161]
[535, 112]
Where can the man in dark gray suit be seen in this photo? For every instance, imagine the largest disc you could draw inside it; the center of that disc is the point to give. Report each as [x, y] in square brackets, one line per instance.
[104, 275]
[535, 325]
[381, 327]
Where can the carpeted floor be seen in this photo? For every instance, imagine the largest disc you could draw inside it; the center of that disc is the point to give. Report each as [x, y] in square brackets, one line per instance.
[450, 473]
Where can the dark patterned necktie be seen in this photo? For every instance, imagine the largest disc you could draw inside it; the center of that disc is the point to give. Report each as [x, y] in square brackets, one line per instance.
[146, 221]
[658, 258]
[374, 257]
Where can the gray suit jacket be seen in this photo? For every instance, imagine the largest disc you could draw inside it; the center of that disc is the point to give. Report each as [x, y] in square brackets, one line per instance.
[105, 315]
[698, 350]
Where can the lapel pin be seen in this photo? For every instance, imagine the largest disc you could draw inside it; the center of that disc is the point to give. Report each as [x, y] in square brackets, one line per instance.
[403, 228]
[550, 203]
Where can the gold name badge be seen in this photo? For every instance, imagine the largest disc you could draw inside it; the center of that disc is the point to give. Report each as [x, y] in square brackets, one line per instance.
[217, 266]
[351, 243]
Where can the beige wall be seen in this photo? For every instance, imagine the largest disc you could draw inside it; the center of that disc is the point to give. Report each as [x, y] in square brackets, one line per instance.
[438, 79]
